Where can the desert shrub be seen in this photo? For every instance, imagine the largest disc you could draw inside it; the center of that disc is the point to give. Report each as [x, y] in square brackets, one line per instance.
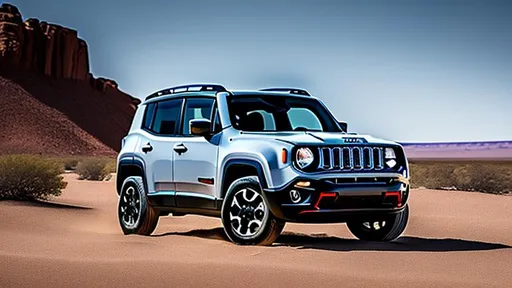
[70, 163]
[481, 176]
[111, 165]
[484, 177]
[92, 169]
[28, 177]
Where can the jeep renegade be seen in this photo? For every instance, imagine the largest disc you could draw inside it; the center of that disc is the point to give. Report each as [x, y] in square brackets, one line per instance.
[257, 159]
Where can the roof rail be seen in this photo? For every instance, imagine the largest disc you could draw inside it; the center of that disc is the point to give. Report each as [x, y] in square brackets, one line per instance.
[188, 88]
[288, 90]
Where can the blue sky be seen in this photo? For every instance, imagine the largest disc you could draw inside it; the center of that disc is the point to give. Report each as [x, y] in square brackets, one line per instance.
[404, 70]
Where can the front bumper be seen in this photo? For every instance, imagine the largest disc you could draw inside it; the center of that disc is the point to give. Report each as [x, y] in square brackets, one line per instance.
[334, 200]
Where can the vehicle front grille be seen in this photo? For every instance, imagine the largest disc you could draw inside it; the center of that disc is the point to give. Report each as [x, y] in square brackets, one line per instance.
[357, 158]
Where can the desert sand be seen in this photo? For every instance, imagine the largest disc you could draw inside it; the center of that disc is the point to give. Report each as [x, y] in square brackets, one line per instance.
[454, 239]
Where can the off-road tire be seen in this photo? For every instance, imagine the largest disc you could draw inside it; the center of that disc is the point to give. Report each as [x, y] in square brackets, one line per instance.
[147, 218]
[271, 227]
[395, 226]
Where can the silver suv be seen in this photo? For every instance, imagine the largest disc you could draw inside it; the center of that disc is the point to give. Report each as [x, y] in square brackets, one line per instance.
[257, 159]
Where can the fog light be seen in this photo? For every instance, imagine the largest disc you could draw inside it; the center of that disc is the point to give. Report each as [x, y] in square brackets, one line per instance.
[303, 184]
[295, 196]
[391, 163]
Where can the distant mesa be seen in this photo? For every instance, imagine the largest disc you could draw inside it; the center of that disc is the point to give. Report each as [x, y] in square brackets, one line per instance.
[50, 63]
[477, 150]
[45, 48]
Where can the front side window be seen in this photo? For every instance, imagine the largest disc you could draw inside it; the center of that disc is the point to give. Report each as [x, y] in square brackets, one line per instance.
[196, 108]
[279, 113]
[166, 117]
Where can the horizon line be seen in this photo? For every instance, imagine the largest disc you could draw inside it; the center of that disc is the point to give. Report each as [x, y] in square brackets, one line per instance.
[456, 142]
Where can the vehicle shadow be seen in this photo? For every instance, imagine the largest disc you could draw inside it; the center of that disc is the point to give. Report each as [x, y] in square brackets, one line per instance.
[405, 243]
[46, 204]
[332, 243]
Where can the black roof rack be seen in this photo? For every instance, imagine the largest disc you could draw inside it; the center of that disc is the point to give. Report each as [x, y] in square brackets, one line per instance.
[288, 90]
[188, 88]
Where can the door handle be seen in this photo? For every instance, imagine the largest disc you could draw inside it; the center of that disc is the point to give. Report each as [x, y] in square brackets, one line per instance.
[180, 148]
[147, 148]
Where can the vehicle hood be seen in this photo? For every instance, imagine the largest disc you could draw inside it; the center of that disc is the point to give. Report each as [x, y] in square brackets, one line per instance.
[315, 138]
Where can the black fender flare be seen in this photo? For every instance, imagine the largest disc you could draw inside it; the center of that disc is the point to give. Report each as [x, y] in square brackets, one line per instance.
[243, 162]
[126, 163]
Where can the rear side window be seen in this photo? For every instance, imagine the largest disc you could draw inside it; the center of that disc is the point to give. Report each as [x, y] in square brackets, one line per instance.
[166, 116]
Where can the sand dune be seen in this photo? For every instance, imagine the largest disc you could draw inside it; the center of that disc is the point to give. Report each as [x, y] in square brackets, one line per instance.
[455, 239]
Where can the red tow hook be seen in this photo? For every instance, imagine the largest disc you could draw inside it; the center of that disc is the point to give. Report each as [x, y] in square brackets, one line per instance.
[317, 204]
[398, 194]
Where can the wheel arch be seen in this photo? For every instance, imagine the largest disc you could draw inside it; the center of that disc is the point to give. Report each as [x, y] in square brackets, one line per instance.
[130, 166]
[237, 168]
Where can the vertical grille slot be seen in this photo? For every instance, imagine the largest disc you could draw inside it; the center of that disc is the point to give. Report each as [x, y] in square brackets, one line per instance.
[336, 156]
[347, 156]
[367, 158]
[358, 158]
[378, 158]
[327, 157]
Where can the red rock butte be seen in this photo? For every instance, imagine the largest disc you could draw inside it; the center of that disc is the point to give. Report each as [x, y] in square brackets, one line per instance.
[51, 64]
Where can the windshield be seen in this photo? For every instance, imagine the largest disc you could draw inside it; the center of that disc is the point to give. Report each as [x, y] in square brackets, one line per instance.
[279, 113]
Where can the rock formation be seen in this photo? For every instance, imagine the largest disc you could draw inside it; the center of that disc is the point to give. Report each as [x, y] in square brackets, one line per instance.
[45, 48]
[11, 34]
[50, 63]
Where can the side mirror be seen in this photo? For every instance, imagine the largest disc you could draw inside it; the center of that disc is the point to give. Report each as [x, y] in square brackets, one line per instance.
[343, 125]
[200, 127]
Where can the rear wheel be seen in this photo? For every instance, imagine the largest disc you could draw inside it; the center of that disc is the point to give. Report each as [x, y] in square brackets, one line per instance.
[387, 228]
[136, 216]
[246, 217]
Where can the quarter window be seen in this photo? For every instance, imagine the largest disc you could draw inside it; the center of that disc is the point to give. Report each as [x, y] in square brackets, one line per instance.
[148, 116]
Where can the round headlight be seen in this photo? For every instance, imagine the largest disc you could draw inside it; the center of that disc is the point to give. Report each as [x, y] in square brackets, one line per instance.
[304, 157]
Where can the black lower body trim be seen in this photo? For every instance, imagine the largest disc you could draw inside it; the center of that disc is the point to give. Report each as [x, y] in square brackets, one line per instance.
[326, 202]
[182, 203]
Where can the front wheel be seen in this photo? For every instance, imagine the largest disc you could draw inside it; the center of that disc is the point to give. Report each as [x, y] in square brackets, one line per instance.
[387, 228]
[246, 217]
[136, 216]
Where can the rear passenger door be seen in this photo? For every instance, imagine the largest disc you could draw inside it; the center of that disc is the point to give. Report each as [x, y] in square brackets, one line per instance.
[160, 128]
[195, 166]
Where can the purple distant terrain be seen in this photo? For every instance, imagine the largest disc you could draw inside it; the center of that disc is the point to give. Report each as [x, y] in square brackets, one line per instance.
[492, 150]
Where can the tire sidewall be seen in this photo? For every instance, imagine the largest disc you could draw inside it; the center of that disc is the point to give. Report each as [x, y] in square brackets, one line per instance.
[389, 233]
[137, 184]
[239, 184]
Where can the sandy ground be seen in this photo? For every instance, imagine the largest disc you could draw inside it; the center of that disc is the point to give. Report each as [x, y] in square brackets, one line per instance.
[454, 239]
